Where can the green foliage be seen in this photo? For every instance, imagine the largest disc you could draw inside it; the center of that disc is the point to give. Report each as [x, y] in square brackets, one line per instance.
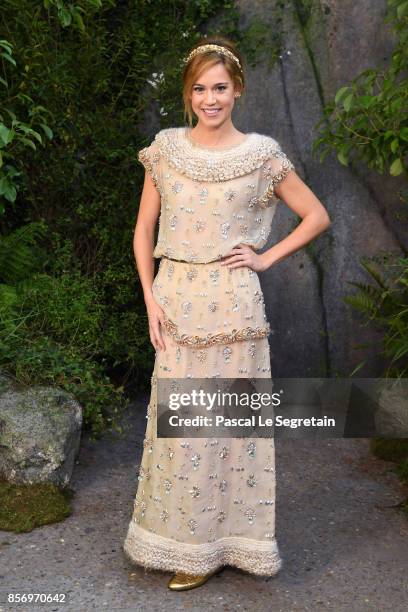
[70, 13]
[385, 304]
[85, 74]
[52, 327]
[14, 133]
[368, 121]
[368, 118]
[390, 449]
[402, 471]
[20, 253]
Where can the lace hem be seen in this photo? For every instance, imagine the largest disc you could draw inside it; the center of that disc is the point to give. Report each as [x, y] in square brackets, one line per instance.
[156, 552]
[236, 335]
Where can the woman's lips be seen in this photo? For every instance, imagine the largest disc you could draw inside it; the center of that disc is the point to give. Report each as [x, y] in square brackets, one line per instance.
[211, 113]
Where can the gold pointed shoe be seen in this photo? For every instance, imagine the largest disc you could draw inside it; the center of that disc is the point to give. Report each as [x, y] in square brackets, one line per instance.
[184, 582]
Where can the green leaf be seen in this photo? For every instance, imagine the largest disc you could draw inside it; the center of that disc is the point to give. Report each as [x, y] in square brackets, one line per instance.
[7, 189]
[394, 145]
[342, 157]
[29, 143]
[6, 135]
[79, 21]
[48, 131]
[396, 167]
[6, 45]
[342, 91]
[348, 102]
[11, 194]
[367, 101]
[402, 10]
[8, 57]
[27, 130]
[65, 17]
[24, 97]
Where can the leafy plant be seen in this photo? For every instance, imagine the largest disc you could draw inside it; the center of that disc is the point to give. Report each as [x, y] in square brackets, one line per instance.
[14, 133]
[368, 119]
[385, 304]
[51, 327]
[89, 75]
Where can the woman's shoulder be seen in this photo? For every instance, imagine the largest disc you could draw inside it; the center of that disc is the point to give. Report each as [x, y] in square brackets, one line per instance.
[168, 134]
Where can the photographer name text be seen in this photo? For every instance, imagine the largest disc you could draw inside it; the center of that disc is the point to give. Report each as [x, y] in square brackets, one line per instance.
[255, 420]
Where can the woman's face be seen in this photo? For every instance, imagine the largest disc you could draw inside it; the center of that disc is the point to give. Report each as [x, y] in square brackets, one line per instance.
[213, 90]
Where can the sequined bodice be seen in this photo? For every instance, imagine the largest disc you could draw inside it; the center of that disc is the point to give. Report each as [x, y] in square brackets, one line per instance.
[213, 199]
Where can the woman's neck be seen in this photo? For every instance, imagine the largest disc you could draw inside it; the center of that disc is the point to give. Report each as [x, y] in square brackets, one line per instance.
[218, 136]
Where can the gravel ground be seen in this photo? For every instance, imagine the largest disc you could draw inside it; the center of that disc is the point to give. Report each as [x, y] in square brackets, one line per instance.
[344, 546]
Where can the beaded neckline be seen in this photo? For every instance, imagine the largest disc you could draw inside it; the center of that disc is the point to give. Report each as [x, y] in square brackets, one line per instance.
[214, 164]
[188, 136]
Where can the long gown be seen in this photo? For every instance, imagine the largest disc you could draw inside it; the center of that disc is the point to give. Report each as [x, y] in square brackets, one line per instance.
[203, 503]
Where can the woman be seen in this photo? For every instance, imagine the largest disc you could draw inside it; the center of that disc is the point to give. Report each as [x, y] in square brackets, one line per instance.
[204, 503]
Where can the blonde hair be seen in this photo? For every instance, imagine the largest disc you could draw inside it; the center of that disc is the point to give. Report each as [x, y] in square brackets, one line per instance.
[205, 60]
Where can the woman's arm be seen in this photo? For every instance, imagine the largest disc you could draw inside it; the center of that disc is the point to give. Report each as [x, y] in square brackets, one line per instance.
[143, 240]
[143, 245]
[297, 195]
[315, 219]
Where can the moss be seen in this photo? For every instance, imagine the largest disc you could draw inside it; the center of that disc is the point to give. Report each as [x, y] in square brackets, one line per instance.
[25, 507]
[261, 42]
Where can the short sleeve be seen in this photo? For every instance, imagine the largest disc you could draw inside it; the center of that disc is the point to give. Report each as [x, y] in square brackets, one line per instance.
[273, 171]
[150, 158]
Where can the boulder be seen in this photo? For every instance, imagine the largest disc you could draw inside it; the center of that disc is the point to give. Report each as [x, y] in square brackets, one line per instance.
[40, 430]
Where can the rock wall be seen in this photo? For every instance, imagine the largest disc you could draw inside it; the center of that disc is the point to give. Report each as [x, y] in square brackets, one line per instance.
[324, 45]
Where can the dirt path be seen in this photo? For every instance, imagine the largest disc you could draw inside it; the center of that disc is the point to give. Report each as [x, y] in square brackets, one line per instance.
[343, 548]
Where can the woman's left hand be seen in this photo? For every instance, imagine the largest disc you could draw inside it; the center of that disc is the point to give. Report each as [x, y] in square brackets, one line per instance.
[244, 256]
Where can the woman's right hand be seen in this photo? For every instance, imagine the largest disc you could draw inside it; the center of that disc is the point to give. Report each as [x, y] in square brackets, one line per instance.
[156, 318]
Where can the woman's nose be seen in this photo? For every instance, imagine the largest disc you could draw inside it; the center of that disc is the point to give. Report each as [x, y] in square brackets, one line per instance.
[210, 98]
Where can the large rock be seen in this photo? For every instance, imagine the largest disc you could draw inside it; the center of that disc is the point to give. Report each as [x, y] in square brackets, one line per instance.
[314, 48]
[40, 430]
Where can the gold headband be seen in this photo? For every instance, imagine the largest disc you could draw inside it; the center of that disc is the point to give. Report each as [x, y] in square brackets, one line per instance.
[212, 47]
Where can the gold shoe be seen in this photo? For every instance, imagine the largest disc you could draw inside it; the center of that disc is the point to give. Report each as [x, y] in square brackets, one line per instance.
[183, 582]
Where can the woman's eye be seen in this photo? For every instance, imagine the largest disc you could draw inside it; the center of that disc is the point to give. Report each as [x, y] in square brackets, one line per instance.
[200, 89]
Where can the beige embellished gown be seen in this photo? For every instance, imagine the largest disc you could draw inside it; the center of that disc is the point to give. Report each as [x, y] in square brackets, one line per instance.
[202, 503]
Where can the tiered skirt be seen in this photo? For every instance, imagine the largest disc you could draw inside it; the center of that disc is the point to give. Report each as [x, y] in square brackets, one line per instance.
[204, 503]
